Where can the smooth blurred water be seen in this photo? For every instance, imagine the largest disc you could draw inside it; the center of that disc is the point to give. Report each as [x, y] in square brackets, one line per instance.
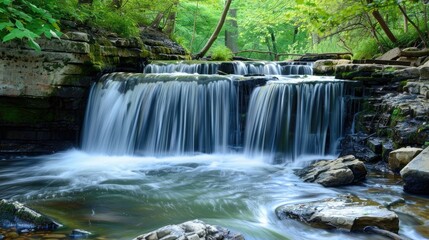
[120, 197]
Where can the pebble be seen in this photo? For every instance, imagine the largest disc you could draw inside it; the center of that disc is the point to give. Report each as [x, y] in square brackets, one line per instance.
[12, 235]
[54, 236]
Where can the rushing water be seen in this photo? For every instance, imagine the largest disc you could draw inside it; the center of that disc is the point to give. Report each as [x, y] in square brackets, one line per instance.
[237, 67]
[154, 115]
[162, 149]
[295, 118]
[122, 197]
[141, 115]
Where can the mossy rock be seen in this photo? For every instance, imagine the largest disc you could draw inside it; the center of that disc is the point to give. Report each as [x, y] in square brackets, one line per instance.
[17, 215]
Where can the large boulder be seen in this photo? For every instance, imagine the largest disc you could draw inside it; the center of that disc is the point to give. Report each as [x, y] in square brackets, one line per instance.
[344, 212]
[330, 173]
[18, 216]
[327, 67]
[191, 230]
[399, 158]
[416, 174]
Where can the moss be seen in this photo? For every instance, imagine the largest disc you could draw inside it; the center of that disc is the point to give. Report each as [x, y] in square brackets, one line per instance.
[389, 69]
[348, 75]
[396, 117]
[16, 114]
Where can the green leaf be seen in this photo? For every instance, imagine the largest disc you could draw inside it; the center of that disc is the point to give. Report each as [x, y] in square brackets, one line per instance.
[19, 25]
[48, 34]
[4, 25]
[34, 45]
[7, 2]
[18, 33]
[54, 34]
[20, 14]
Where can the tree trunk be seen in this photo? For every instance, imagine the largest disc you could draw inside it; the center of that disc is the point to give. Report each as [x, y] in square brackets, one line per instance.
[216, 32]
[295, 33]
[267, 40]
[421, 35]
[194, 28]
[425, 9]
[405, 21]
[171, 20]
[157, 21]
[231, 35]
[383, 24]
[274, 43]
[374, 32]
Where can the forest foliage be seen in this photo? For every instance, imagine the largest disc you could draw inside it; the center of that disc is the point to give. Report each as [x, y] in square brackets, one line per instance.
[262, 29]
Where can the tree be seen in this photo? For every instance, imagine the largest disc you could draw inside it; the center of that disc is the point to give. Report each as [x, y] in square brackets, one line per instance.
[381, 21]
[231, 33]
[216, 32]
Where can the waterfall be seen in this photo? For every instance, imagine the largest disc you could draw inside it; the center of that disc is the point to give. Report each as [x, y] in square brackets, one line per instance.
[160, 114]
[236, 67]
[180, 113]
[295, 118]
[200, 68]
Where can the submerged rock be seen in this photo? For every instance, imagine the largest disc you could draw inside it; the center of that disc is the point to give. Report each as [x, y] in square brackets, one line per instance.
[416, 174]
[191, 230]
[399, 158]
[79, 233]
[344, 212]
[342, 171]
[17, 215]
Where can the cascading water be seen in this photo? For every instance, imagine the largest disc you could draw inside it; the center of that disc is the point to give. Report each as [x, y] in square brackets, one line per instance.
[295, 118]
[164, 116]
[236, 67]
[160, 114]
[200, 68]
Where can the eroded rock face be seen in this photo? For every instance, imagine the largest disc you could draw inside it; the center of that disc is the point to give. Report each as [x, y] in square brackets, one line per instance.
[17, 215]
[416, 174]
[191, 230]
[43, 94]
[399, 158]
[344, 212]
[342, 171]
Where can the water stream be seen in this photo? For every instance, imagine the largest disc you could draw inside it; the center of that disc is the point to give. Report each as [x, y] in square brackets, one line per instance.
[161, 149]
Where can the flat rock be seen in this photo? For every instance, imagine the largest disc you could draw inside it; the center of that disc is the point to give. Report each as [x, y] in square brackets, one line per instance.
[399, 158]
[406, 74]
[330, 173]
[191, 230]
[391, 54]
[327, 67]
[344, 212]
[416, 174]
[17, 215]
[77, 36]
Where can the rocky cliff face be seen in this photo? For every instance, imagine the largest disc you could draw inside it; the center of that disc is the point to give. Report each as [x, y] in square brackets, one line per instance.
[43, 94]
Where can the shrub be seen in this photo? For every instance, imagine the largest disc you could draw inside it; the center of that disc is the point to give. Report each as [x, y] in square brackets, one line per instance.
[221, 53]
[366, 49]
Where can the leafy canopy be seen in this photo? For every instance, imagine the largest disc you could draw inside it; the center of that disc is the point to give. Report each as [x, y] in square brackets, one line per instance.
[20, 19]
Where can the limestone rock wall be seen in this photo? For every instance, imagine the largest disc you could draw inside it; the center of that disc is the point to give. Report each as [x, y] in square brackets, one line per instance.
[43, 94]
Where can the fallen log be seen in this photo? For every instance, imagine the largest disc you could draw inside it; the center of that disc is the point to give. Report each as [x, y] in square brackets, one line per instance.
[421, 53]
